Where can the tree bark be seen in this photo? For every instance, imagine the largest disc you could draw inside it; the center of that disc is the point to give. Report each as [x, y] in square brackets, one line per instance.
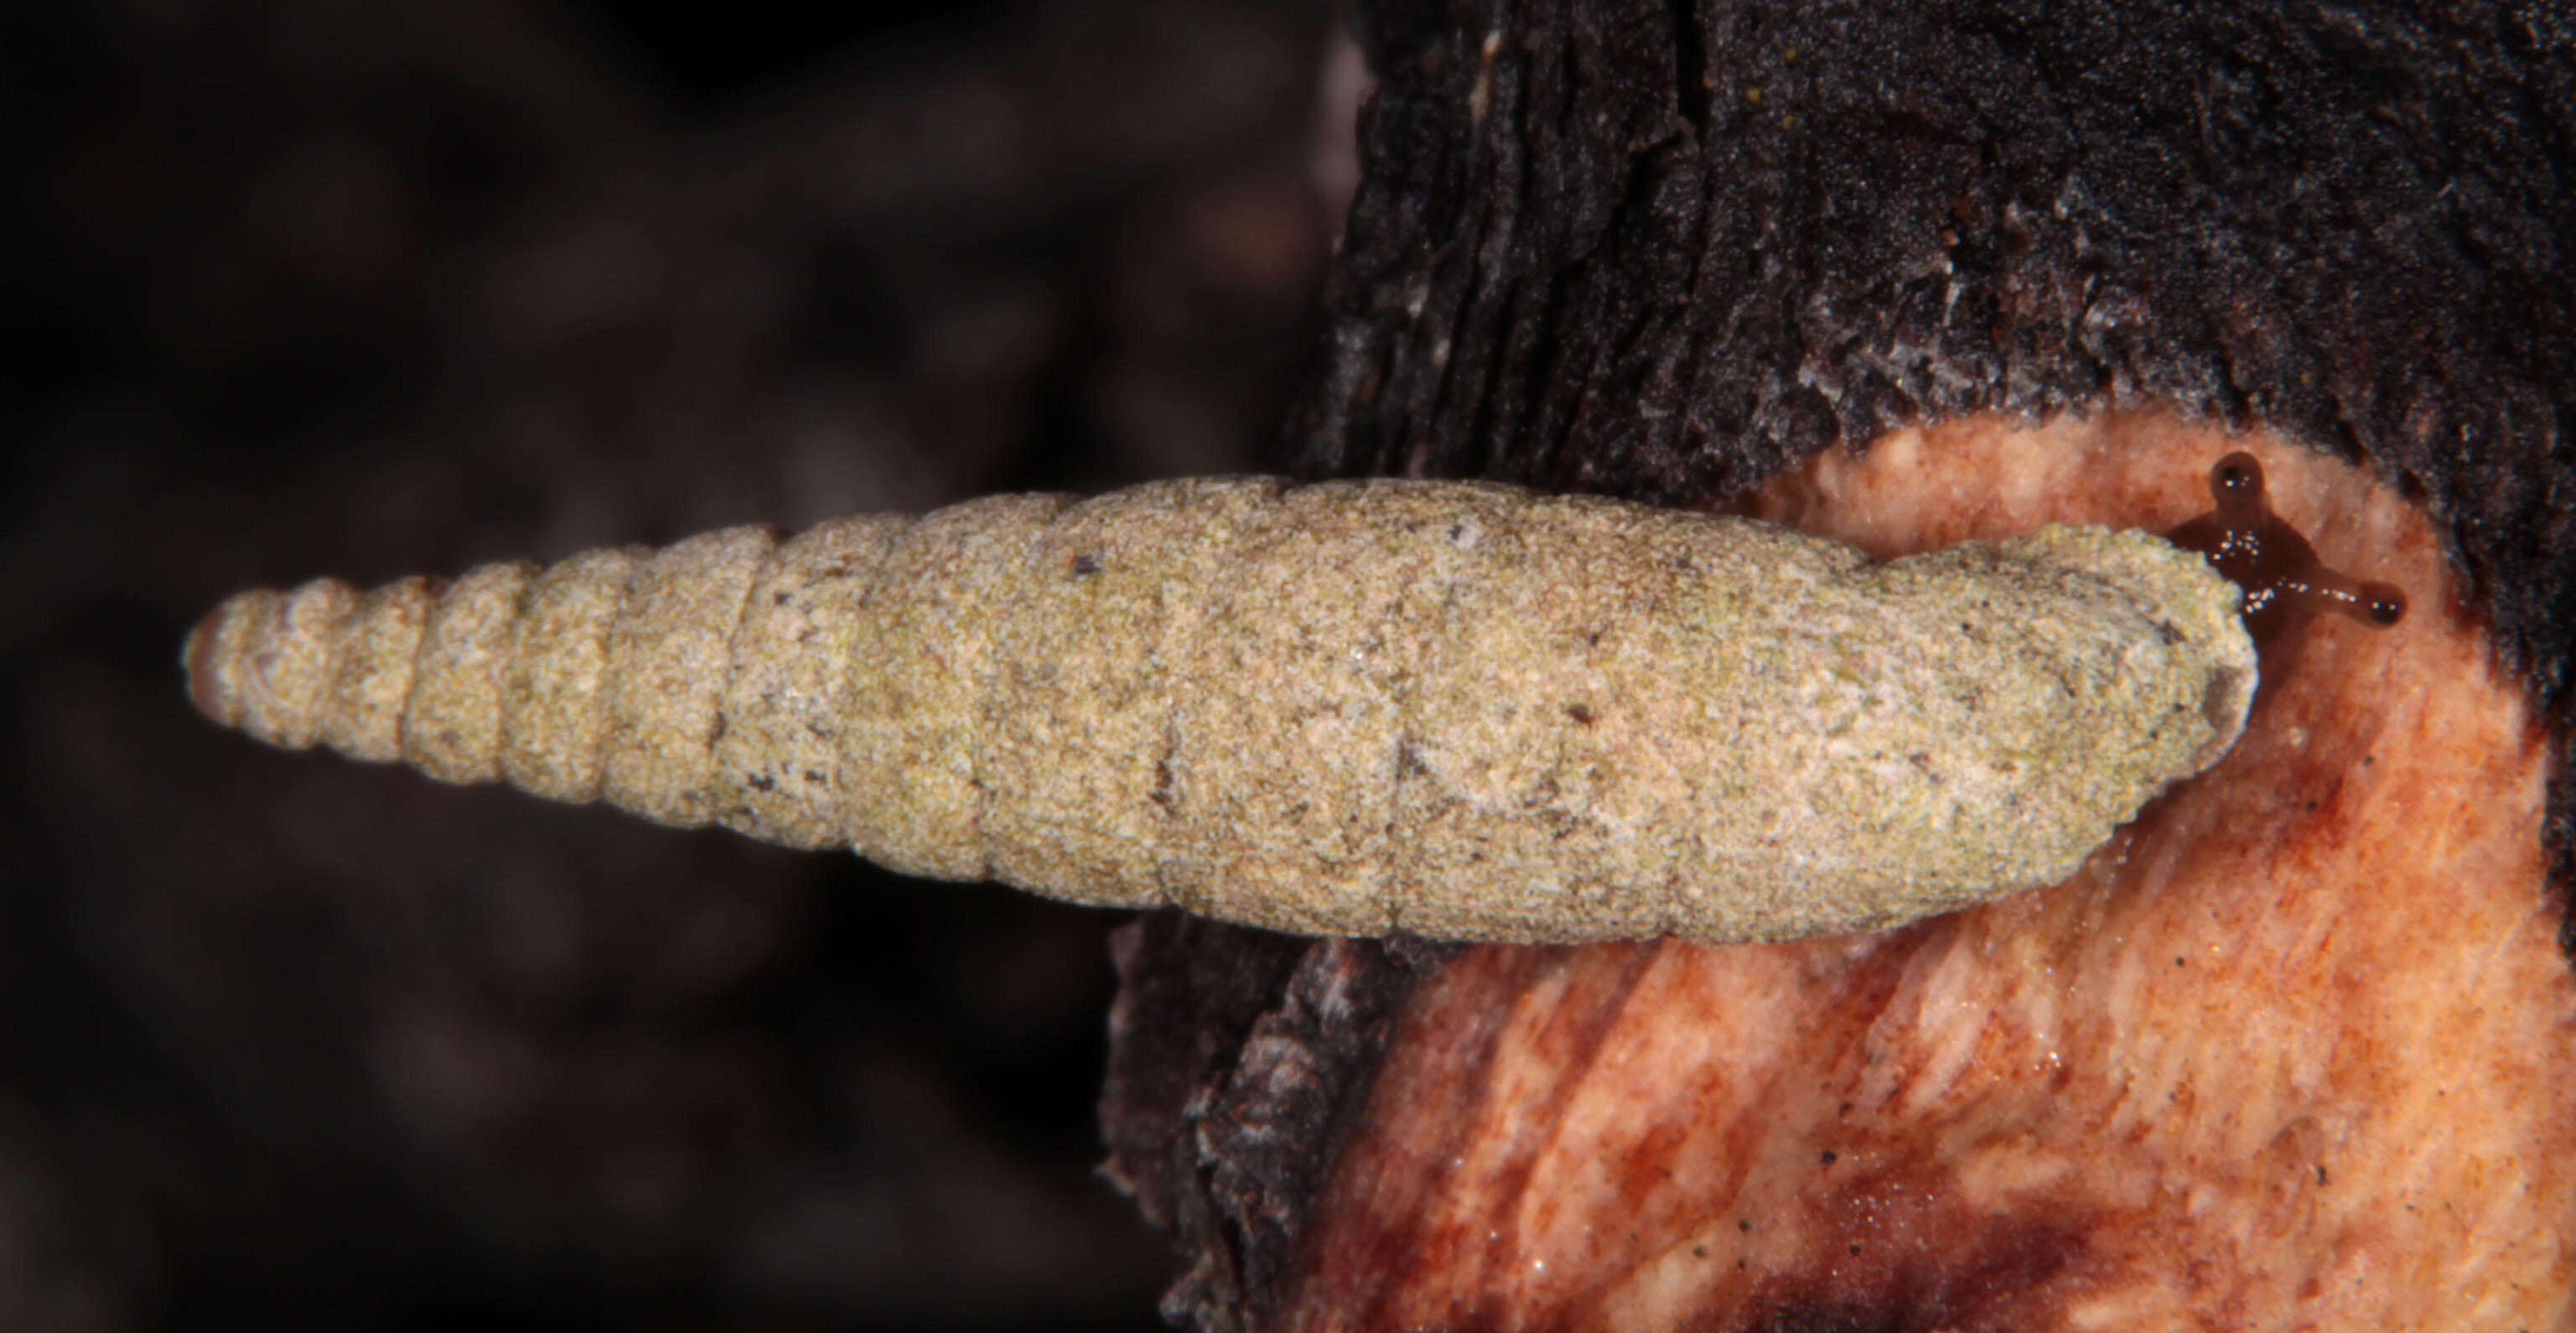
[1887, 269]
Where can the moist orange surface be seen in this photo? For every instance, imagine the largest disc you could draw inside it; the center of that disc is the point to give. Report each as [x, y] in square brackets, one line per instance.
[2293, 1050]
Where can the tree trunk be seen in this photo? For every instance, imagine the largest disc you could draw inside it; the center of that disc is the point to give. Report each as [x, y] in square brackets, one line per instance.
[2295, 1048]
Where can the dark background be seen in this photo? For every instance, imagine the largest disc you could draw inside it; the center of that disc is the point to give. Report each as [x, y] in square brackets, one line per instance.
[301, 287]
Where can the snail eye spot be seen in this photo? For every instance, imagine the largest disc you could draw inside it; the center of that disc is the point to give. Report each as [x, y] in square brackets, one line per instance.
[2236, 477]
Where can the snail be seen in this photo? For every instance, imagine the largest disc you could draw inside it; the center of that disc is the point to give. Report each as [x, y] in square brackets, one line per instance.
[1457, 709]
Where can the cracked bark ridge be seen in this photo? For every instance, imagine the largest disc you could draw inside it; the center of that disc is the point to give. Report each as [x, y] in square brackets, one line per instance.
[1233, 1053]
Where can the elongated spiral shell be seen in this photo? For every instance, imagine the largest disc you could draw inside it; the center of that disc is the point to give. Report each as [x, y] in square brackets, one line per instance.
[1457, 709]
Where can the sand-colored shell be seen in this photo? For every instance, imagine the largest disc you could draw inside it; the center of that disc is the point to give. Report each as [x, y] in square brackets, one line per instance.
[1457, 709]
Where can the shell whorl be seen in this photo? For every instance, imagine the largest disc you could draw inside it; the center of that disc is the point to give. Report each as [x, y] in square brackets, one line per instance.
[598, 677]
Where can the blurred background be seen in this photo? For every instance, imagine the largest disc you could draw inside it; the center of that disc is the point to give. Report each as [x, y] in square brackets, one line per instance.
[303, 287]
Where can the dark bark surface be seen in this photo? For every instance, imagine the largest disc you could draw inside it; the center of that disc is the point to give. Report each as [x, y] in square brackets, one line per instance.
[1234, 1053]
[1665, 251]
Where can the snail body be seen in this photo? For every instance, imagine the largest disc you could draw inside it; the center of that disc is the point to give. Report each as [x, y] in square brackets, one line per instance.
[1457, 709]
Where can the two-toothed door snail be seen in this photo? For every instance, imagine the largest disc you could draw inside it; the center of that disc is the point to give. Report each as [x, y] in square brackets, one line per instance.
[1457, 709]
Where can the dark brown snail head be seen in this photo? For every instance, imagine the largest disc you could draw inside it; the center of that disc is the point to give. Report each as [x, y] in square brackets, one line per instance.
[2284, 582]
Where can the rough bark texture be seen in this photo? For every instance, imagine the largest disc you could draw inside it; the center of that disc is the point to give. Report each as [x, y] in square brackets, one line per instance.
[1667, 251]
[1237, 1052]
